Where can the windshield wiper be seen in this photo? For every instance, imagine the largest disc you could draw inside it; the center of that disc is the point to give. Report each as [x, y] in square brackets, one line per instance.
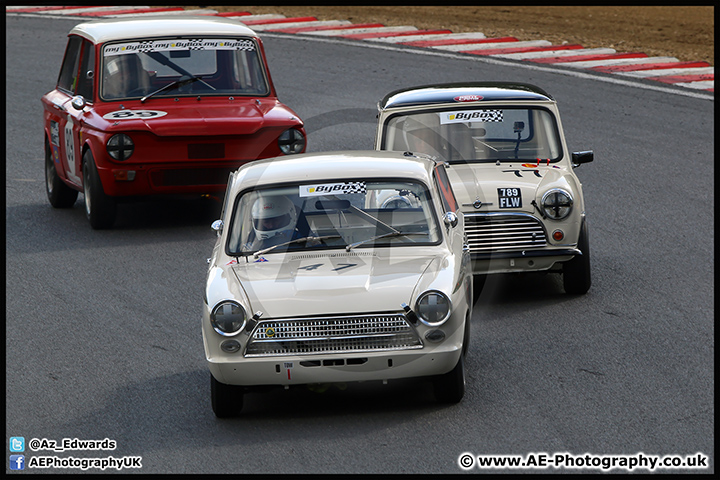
[378, 237]
[374, 220]
[297, 240]
[172, 86]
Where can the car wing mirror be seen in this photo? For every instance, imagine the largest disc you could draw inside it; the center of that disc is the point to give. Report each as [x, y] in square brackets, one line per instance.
[450, 219]
[217, 226]
[78, 102]
[578, 158]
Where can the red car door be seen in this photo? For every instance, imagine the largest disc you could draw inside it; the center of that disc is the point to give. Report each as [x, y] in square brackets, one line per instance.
[64, 120]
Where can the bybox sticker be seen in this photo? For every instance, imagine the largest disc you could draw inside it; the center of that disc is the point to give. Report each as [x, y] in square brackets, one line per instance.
[465, 116]
[343, 188]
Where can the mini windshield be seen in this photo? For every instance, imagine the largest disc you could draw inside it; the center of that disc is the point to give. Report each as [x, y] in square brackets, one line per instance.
[177, 67]
[477, 134]
[334, 215]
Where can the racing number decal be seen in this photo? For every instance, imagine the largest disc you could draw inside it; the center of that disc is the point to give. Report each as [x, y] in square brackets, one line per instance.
[311, 267]
[341, 266]
[70, 150]
[132, 114]
[344, 265]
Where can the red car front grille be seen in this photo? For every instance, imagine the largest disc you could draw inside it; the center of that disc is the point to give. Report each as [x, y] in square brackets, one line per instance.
[206, 150]
[191, 177]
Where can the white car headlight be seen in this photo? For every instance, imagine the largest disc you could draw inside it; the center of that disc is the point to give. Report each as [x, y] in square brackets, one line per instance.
[433, 308]
[228, 318]
[557, 204]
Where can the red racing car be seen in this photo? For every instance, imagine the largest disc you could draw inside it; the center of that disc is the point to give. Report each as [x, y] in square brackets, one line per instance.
[157, 106]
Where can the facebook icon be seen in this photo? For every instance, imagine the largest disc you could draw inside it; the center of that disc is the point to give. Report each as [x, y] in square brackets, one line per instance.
[17, 462]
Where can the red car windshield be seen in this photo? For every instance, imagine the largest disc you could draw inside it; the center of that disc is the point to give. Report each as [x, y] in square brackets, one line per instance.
[177, 67]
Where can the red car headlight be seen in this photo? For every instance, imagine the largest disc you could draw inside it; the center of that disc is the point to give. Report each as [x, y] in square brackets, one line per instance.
[120, 146]
[291, 141]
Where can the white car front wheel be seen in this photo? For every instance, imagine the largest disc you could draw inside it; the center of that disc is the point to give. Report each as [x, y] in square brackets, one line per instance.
[450, 387]
[227, 400]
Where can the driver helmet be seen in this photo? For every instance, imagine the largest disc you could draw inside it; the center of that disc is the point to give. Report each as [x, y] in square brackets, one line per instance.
[273, 215]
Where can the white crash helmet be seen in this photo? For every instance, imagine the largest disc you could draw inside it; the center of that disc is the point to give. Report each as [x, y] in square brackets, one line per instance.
[272, 216]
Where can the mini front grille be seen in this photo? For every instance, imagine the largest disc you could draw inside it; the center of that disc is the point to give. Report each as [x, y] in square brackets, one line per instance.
[500, 233]
[306, 336]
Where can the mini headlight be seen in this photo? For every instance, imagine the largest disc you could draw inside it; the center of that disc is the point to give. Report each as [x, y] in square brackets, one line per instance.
[120, 146]
[433, 308]
[291, 141]
[228, 318]
[557, 204]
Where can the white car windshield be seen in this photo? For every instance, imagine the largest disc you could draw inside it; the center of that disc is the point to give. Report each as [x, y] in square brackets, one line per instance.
[333, 215]
[177, 66]
[476, 134]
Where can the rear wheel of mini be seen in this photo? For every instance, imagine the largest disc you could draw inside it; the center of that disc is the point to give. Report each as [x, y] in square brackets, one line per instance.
[59, 194]
[227, 400]
[450, 387]
[100, 209]
[576, 272]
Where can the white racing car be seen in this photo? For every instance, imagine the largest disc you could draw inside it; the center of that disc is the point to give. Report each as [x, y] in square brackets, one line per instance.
[510, 167]
[337, 267]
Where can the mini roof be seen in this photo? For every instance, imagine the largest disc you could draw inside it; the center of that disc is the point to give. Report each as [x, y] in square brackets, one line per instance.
[108, 30]
[336, 166]
[450, 92]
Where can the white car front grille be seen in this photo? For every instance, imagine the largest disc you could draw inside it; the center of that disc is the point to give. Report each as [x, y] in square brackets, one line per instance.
[307, 336]
[489, 233]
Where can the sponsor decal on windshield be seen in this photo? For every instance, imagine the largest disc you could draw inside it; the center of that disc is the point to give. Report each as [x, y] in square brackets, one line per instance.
[179, 44]
[343, 188]
[465, 116]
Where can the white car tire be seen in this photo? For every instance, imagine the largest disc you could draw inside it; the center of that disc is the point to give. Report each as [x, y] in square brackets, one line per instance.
[227, 400]
[450, 387]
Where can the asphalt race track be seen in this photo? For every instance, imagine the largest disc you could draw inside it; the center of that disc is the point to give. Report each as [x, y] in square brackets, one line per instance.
[102, 330]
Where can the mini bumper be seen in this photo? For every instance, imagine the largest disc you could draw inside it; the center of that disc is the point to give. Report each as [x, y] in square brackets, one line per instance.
[520, 261]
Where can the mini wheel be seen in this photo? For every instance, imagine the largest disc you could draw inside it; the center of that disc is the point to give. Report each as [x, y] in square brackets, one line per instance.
[576, 272]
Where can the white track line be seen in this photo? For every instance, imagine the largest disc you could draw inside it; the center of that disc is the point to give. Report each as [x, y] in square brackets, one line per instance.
[429, 36]
[286, 26]
[352, 31]
[491, 45]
